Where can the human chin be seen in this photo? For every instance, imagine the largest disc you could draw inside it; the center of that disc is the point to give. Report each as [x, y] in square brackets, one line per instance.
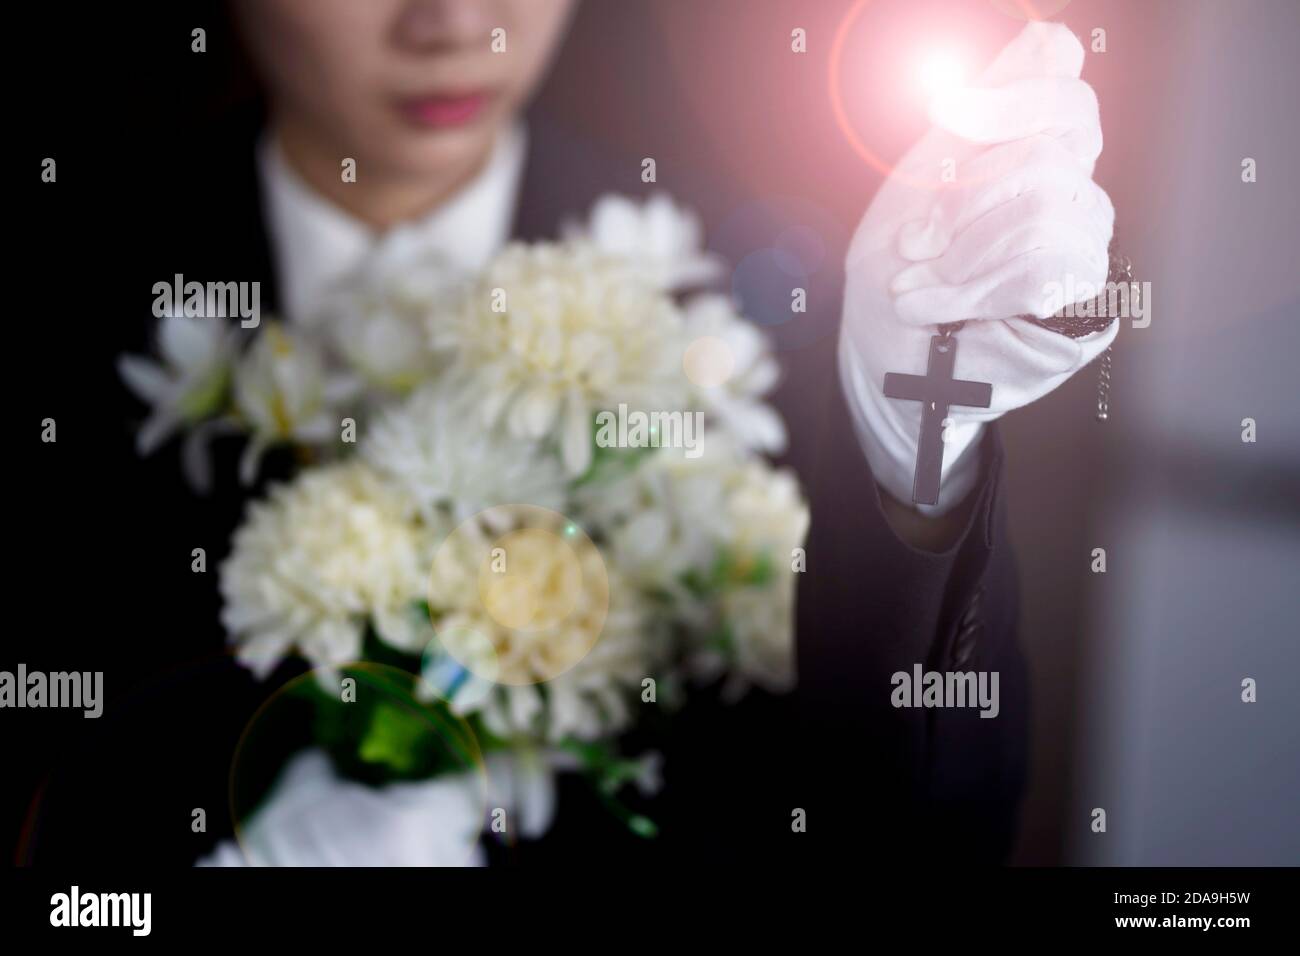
[436, 152]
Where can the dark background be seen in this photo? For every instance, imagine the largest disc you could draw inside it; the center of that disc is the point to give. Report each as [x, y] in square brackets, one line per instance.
[103, 578]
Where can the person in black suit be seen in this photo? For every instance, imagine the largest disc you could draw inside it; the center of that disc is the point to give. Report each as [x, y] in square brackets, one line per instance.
[413, 92]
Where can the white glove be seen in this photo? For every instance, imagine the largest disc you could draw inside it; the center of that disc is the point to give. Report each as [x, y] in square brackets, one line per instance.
[316, 818]
[1021, 215]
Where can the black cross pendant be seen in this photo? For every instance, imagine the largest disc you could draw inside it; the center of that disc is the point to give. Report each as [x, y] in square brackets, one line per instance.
[936, 390]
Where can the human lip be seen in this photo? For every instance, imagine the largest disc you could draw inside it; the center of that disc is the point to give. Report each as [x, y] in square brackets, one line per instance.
[437, 111]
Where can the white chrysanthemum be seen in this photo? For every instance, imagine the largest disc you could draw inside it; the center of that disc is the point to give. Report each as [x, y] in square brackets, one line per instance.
[770, 520]
[716, 534]
[666, 517]
[188, 384]
[376, 317]
[765, 508]
[562, 635]
[553, 333]
[444, 457]
[318, 559]
[730, 365]
[660, 238]
[284, 392]
[593, 698]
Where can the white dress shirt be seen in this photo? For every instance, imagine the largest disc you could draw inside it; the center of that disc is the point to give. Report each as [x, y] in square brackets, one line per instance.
[315, 243]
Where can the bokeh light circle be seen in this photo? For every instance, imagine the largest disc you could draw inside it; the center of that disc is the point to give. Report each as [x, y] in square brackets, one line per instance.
[956, 62]
[940, 72]
[708, 361]
[865, 152]
[778, 244]
[800, 251]
[537, 585]
[518, 594]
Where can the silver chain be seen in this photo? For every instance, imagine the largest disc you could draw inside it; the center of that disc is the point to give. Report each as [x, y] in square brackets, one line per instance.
[1103, 384]
[1121, 270]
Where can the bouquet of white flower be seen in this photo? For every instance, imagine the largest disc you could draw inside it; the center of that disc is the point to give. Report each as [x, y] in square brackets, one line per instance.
[534, 505]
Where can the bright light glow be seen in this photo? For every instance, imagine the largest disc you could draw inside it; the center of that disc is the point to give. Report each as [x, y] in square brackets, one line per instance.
[941, 72]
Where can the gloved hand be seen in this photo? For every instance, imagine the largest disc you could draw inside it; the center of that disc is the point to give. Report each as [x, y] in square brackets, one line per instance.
[314, 817]
[1021, 213]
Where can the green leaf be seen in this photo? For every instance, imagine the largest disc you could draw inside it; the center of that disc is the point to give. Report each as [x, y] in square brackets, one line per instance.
[388, 734]
[393, 739]
[608, 773]
[642, 826]
[730, 570]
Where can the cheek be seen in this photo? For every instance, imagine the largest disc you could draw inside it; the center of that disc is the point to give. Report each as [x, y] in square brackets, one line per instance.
[322, 52]
[538, 32]
[335, 94]
[331, 100]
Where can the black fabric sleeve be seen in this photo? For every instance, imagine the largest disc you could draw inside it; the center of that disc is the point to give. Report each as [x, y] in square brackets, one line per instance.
[869, 606]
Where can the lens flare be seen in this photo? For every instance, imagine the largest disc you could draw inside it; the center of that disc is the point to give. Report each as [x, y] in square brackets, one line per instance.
[940, 72]
[708, 361]
[518, 595]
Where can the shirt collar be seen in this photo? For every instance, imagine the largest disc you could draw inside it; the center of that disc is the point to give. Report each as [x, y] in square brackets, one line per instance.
[315, 243]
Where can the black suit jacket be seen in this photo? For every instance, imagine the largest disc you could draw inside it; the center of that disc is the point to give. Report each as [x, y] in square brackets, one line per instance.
[873, 778]
[870, 778]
